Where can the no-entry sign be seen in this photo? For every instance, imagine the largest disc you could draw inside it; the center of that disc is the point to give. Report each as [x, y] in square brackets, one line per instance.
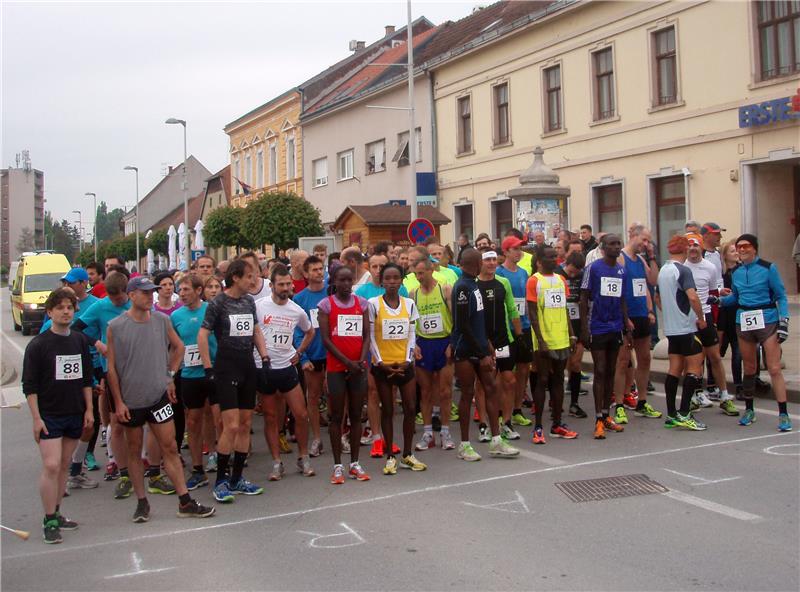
[419, 230]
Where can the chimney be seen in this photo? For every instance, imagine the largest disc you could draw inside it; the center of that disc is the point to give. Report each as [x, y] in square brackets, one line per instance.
[357, 45]
[389, 30]
[169, 169]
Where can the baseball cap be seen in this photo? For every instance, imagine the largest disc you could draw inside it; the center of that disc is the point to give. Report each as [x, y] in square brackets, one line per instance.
[711, 227]
[76, 274]
[511, 242]
[695, 239]
[141, 283]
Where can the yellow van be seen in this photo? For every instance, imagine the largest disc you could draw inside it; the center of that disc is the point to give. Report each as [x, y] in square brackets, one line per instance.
[37, 275]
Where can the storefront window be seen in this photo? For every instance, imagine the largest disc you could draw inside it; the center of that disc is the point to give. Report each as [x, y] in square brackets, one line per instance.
[670, 210]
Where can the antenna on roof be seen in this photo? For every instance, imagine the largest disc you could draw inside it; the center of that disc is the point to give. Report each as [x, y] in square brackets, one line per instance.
[164, 169]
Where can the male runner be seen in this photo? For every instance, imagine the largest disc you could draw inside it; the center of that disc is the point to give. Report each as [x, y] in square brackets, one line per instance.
[297, 259]
[259, 287]
[572, 272]
[205, 266]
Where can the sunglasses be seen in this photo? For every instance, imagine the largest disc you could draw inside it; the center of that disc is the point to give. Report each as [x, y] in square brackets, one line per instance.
[744, 246]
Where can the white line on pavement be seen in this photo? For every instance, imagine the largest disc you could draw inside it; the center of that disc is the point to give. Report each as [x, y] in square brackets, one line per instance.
[411, 492]
[703, 480]
[712, 506]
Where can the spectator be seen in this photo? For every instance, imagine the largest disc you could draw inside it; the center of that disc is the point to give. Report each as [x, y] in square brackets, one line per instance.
[97, 273]
[588, 240]
[483, 242]
[463, 243]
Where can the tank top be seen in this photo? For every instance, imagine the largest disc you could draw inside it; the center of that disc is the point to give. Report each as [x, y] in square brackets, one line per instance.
[392, 332]
[549, 292]
[435, 320]
[346, 326]
[635, 286]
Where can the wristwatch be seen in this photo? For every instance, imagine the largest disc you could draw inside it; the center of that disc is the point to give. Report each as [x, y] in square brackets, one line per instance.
[171, 373]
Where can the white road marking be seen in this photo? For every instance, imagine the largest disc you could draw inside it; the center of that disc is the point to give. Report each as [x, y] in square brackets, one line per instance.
[712, 506]
[390, 496]
[772, 450]
[542, 458]
[703, 480]
[137, 569]
[505, 506]
[348, 532]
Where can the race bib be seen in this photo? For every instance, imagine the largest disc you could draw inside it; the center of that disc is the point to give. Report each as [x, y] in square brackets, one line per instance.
[751, 320]
[191, 356]
[395, 329]
[314, 314]
[611, 287]
[69, 367]
[522, 307]
[431, 323]
[574, 311]
[278, 339]
[639, 287]
[349, 325]
[478, 300]
[163, 414]
[502, 352]
[554, 298]
[241, 325]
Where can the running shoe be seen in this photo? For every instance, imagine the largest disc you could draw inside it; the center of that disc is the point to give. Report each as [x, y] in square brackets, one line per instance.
[688, 422]
[427, 441]
[123, 488]
[599, 430]
[670, 422]
[484, 435]
[467, 452]
[748, 418]
[446, 442]
[576, 411]
[277, 472]
[81, 482]
[193, 509]
[728, 408]
[160, 484]
[612, 426]
[784, 423]
[244, 487]
[476, 417]
[90, 462]
[395, 448]
[562, 431]
[366, 436]
[620, 416]
[283, 444]
[713, 393]
[453, 412]
[222, 492]
[418, 418]
[436, 423]
[315, 449]
[411, 462]
[185, 441]
[520, 420]
[377, 448]
[142, 512]
[634, 391]
[647, 410]
[65, 523]
[538, 436]
[345, 443]
[629, 401]
[508, 433]
[51, 533]
[585, 376]
[390, 468]
[358, 473]
[304, 466]
[694, 405]
[701, 399]
[104, 437]
[337, 477]
[502, 449]
[211, 465]
[112, 471]
[196, 480]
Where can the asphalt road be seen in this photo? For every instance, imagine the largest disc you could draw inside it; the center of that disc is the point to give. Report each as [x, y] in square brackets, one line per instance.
[728, 519]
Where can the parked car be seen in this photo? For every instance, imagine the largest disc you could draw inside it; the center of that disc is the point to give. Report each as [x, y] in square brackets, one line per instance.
[37, 274]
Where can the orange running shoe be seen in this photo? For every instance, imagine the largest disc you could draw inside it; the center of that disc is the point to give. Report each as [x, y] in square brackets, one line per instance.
[395, 448]
[538, 436]
[337, 478]
[357, 472]
[630, 401]
[599, 430]
[562, 431]
[612, 425]
[476, 416]
[377, 448]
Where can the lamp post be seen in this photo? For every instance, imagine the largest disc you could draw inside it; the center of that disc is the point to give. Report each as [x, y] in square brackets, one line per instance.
[94, 195]
[136, 228]
[187, 251]
[80, 229]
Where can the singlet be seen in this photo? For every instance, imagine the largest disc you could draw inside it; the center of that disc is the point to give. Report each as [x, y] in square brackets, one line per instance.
[186, 323]
[677, 316]
[435, 320]
[604, 284]
[264, 292]
[346, 330]
[232, 321]
[393, 330]
[635, 286]
[705, 279]
[573, 293]
[519, 281]
[500, 309]
[468, 337]
[167, 311]
[309, 301]
[549, 293]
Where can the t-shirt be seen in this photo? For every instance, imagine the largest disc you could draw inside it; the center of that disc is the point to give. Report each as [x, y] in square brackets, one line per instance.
[519, 281]
[677, 316]
[309, 302]
[468, 338]
[604, 284]
[573, 293]
[370, 291]
[706, 279]
[83, 306]
[167, 311]
[410, 282]
[452, 276]
[187, 323]
[299, 285]
[365, 278]
[141, 355]
[99, 290]
[94, 322]
[277, 323]
[500, 309]
[232, 321]
[715, 259]
[57, 368]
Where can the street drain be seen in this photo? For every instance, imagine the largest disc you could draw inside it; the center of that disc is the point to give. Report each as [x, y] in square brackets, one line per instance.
[592, 490]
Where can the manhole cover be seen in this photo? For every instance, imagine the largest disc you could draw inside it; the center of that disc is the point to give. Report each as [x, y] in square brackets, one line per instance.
[592, 490]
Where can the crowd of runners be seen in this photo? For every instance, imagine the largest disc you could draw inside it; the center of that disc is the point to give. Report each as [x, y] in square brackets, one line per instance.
[145, 367]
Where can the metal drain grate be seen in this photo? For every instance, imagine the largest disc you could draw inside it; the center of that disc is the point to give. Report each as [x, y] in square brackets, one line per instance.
[592, 490]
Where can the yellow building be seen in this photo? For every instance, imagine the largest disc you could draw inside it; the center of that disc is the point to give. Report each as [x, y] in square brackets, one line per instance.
[266, 150]
[648, 111]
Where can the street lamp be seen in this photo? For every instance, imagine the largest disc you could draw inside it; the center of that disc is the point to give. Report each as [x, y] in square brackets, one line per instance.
[136, 228]
[187, 251]
[80, 228]
[94, 195]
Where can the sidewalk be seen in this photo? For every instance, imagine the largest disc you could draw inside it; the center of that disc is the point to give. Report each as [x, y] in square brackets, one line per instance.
[791, 359]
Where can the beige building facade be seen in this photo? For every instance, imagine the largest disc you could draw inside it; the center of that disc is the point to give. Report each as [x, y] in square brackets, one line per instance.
[656, 112]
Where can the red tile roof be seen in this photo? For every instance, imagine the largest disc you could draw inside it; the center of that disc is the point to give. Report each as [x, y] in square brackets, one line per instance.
[389, 215]
[175, 217]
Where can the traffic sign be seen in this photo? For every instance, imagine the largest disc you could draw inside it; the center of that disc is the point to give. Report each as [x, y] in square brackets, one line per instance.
[419, 230]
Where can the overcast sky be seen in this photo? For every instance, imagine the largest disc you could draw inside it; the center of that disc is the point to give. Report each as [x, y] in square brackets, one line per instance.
[86, 87]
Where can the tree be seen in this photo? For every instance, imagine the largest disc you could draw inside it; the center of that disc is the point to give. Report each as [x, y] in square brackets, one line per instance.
[224, 229]
[26, 241]
[124, 246]
[86, 256]
[158, 241]
[280, 219]
[108, 222]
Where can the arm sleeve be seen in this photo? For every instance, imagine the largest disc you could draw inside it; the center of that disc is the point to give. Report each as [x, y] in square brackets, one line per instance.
[511, 308]
[31, 373]
[778, 289]
[587, 275]
[685, 278]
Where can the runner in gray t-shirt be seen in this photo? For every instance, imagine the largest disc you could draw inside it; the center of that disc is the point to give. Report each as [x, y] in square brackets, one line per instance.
[144, 352]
